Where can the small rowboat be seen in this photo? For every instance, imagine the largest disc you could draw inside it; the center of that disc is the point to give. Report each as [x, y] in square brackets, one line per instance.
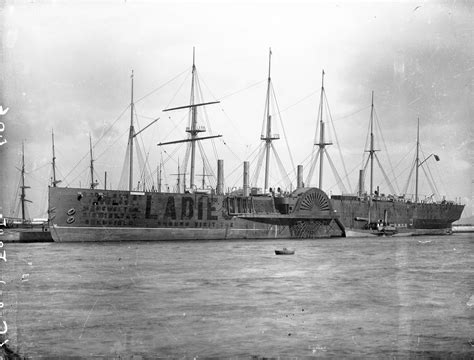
[285, 251]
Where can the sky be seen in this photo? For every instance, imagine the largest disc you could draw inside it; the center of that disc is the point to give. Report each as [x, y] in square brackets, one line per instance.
[66, 67]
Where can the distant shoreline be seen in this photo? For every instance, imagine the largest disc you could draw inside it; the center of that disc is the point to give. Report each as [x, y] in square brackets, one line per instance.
[463, 228]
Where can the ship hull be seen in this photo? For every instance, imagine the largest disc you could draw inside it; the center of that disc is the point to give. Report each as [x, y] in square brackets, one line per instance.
[99, 215]
[113, 215]
[406, 217]
[85, 234]
[19, 235]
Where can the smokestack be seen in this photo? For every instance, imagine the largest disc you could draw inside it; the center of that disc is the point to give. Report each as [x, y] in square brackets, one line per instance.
[361, 182]
[220, 177]
[246, 178]
[299, 176]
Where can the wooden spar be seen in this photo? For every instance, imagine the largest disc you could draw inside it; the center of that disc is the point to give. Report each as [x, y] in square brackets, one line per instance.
[417, 159]
[146, 127]
[322, 145]
[268, 137]
[188, 140]
[192, 105]
[268, 140]
[23, 186]
[130, 140]
[93, 184]
[54, 182]
[371, 151]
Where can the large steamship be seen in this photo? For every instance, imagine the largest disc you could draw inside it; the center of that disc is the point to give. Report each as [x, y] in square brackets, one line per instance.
[93, 214]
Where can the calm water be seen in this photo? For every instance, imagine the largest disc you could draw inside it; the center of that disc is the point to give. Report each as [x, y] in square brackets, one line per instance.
[341, 298]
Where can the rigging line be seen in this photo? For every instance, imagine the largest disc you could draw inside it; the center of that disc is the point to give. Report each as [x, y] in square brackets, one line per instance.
[139, 153]
[175, 126]
[208, 89]
[377, 122]
[187, 155]
[79, 175]
[429, 181]
[283, 128]
[336, 175]
[110, 146]
[283, 172]
[231, 151]
[205, 159]
[256, 171]
[308, 158]
[258, 168]
[351, 114]
[110, 127]
[125, 173]
[405, 190]
[366, 146]
[337, 140]
[314, 161]
[301, 100]
[233, 171]
[387, 180]
[87, 153]
[166, 83]
[431, 175]
[253, 155]
[170, 156]
[146, 164]
[146, 117]
[146, 173]
[178, 90]
[353, 169]
[257, 147]
[365, 166]
[408, 153]
[440, 179]
[232, 122]
[241, 90]
[30, 172]
[206, 118]
[402, 172]
[13, 201]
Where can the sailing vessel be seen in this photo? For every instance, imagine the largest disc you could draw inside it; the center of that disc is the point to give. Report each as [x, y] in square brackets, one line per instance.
[14, 229]
[79, 214]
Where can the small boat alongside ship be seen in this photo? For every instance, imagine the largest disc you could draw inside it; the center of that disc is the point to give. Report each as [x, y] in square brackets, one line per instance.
[285, 251]
[92, 214]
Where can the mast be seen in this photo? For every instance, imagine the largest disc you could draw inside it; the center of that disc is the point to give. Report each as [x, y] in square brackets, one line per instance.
[159, 177]
[268, 137]
[23, 186]
[193, 124]
[371, 151]
[417, 161]
[54, 182]
[203, 175]
[93, 184]
[179, 179]
[321, 134]
[193, 129]
[130, 139]
[322, 141]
